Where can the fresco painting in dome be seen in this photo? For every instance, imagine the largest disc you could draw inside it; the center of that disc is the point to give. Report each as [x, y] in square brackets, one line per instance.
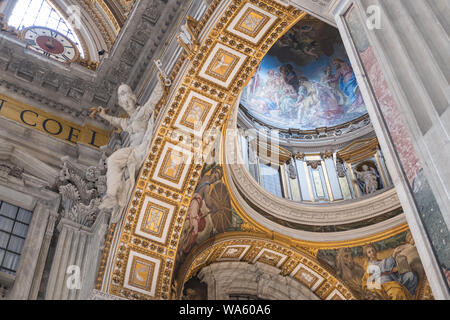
[305, 81]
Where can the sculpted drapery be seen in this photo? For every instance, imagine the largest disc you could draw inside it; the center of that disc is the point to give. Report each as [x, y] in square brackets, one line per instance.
[139, 125]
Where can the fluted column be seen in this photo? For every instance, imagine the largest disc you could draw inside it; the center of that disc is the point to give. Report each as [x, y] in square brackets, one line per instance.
[79, 247]
[71, 244]
[93, 255]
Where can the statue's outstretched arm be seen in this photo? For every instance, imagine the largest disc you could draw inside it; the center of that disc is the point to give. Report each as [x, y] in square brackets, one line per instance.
[114, 121]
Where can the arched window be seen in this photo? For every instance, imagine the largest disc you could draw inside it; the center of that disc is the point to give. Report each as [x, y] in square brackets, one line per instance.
[28, 13]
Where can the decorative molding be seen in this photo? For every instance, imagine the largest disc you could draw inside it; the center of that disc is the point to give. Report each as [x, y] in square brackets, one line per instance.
[359, 150]
[81, 191]
[289, 261]
[247, 121]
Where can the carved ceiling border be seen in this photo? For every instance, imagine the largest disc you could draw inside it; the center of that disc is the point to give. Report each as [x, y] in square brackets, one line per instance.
[143, 268]
[110, 14]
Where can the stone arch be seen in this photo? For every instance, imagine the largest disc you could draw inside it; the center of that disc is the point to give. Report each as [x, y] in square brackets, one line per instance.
[258, 280]
[273, 270]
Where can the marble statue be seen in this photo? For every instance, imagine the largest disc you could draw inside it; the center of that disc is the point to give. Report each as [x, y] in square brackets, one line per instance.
[340, 168]
[292, 171]
[124, 163]
[369, 177]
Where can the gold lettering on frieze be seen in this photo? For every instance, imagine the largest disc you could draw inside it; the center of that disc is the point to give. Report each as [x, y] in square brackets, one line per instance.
[51, 124]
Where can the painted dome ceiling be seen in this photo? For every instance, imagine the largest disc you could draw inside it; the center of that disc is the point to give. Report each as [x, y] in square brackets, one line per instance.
[305, 81]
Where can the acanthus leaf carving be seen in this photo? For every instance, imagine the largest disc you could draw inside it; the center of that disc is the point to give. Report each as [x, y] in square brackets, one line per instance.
[81, 191]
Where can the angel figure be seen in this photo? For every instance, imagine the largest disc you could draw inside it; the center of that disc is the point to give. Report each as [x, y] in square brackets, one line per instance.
[129, 160]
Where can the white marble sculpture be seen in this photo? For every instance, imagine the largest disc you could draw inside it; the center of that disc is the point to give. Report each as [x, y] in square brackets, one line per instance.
[369, 177]
[127, 161]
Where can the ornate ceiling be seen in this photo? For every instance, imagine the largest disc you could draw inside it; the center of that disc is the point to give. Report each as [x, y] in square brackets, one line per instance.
[102, 19]
[71, 90]
[139, 257]
[227, 36]
[297, 84]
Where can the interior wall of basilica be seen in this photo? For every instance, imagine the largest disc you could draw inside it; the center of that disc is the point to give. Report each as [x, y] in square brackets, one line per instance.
[263, 149]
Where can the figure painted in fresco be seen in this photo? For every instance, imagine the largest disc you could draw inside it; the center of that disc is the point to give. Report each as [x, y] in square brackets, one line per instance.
[327, 80]
[307, 41]
[287, 102]
[387, 278]
[304, 43]
[307, 99]
[409, 252]
[209, 212]
[289, 76]
[254, 83]
[271, 86]
[349, 271]
[347, 83]
[328, 106]
[305, 81]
